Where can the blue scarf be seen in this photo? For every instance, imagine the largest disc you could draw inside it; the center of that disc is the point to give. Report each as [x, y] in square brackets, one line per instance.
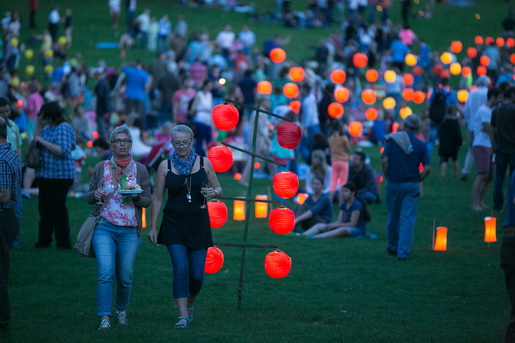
[184, 167]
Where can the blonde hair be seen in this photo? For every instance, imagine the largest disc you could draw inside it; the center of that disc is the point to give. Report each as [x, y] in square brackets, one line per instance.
[320, 169]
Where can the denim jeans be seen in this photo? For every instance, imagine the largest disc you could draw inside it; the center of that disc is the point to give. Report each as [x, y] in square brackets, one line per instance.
[116, 248]
[503, 158]
[188, 270]
[401, 202]
[433, 136]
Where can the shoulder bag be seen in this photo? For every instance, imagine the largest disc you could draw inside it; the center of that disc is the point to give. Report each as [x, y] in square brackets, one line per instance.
[33, 157]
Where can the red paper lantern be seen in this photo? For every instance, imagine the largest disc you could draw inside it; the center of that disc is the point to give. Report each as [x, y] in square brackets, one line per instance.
[499, 41]
[489, 40]
[371, 113]
[471, 52]
[277, 55]
[289, 135]
[466, 71]
[359, 60]
[395, 127]
[264, 87]
[407, 94]
[277, 264]
[418, 71]
[296, 74]
[225, 117]
[372, 75]
[484, 60]
[286, 184]
[456, 47]
[218, 213]
[281, 220]
[214, 260]
[341, 94]
[481, 70]
[419, 97]
[221, 158]
[338, 76]
[478, 40]
[237, 176]
[512, 58]
[290, 90]
[408, 78]
[355, 128]
[368, 96]
[510, 41]
[335, 110]
[295, 106]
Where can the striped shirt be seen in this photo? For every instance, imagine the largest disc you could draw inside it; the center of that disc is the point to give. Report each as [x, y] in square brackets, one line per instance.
[10, 174]
[54, 166]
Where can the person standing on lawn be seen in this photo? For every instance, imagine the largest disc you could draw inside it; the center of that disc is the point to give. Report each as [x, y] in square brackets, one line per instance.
[10, 187]
[508, 256]
[403, 153]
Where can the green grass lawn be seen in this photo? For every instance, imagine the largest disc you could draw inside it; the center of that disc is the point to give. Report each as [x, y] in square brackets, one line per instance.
[339, 290]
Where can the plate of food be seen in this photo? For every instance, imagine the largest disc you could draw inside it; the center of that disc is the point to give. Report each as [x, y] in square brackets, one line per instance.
[130, 190]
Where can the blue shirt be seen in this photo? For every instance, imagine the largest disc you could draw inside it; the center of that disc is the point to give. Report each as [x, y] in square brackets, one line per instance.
[450, 98]
[10, 174]
[322, 207]
[136, 81]
[347, 213]
[399, 50]
[403, 167]
[58, 167]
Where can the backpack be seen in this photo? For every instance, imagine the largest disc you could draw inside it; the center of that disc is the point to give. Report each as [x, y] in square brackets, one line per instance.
[438, 105]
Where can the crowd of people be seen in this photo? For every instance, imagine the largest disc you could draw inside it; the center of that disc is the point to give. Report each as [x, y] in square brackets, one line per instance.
[135, 114]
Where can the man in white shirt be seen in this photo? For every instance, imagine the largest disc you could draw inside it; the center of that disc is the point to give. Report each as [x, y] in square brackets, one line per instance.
[53, 23]
[143, 21]
[247, 38]
[225, 40]
[482, 149]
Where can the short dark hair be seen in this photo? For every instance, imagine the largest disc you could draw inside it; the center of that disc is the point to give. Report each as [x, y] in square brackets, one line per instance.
[4, 101]
[101, 143]
[508, 92]
[361, 154]
[319, 178]
[53, 113]
[493, 92]
[3, 128]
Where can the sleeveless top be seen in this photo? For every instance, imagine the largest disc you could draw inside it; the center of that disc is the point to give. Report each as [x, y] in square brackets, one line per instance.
[185, 222]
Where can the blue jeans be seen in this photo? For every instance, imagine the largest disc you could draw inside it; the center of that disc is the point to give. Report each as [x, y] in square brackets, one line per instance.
[368, 197]
[204, 134]
[188, 270]
[433, 136]
[503, 158]
[116, 248]
[401, 202]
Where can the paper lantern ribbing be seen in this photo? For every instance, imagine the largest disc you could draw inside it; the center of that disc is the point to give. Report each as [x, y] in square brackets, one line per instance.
[484, 60]
[359, 60]
[218, 213]
[462, 95]
[456, 46]
[281, 220]
[408, 79]
[261, 208]
[419, 97]
[338, 76]
[389, 103]
[455, 68]
[390, 76]
[225, 117]
[355, 128]
[277, 264]
[490, 229]
[221, 157]
[478, 40]
[296, 74]
[407, 94]
[371, 75]
[214, 260]
[368, 96]
[335, 110]
[264, 87]
[295, 106]
[277, 55]
[286, 184]
[441, 239]
[410, 60]
[446, 58]
[289, 135]
[290, 90]
[341, 94]
[471, 52]
[371, 113]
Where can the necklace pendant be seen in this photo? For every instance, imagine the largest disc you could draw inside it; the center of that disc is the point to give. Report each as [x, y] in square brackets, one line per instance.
[188, 196]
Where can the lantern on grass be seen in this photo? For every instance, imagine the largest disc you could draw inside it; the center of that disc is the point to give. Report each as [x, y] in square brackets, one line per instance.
[462, 95]
[338, 76]
[286, 184]
[490, 229]
[281, 220]
[455, 68]
[407, 94]
[368, 96]
[471, 52]
[264, 87]
[389, 103]
[359, 60]
[225, 117]
[221, 157]
[335, 110]
[410, 60]
[371, 113]
[301, 197]
[341, 94]
[456, 46]
[484, 60]
[419, 97]
[239, 210]
[277, 55]
[296, 74]
[277, 264]
[441, 239]
[355, 128]
[390, 76]
[295, 106]
[261, 208]
[218, 213]
[290, 90]
[214, 260]
[478, 40]
[372, 75]
[289, 135]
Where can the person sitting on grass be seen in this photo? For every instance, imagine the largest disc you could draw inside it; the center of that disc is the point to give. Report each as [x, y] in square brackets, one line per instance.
[351, 221]
[316, 209]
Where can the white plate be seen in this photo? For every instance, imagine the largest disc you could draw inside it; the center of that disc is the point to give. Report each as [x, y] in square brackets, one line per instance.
[130, 191]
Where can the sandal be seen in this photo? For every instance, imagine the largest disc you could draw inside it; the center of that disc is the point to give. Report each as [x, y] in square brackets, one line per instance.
[182, 324]
[190, 317]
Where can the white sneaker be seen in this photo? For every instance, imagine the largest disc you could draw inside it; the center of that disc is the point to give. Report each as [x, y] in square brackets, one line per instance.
[105, 324]
[122, 318]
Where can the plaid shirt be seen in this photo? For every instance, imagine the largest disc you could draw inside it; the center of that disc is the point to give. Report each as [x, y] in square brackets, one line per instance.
[13, 135]
[58, 167]
[10, 174]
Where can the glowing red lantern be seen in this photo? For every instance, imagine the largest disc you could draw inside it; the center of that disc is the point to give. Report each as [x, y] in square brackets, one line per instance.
[418, 71]
[296, 74]
[214, 260]
[456, 46]
[371, 113]
[221, 158]
[510, 41]
[395, 127]
[484, 60]
[264, 87]
[372, 75]
[472, 52]
[466, 71]
[481, 70]
[95, 134]
[490, 229]
[489, 40]
[359, 60]
[512, 58]
[89, 144]
[218, 213]
[295, 106]
[341, 94]
[281, 220]
[237, 176]
[499, 41]
[277, 55]
[225, 117]
[419, 97]
[335, 110]
[289, 135]
[441, 239]
[286, 184]
[277, 264]
[478, 40]
[368, 96]
[338, 76]
[290, 90]
[355, 128]
[407, 94]
[408, 78]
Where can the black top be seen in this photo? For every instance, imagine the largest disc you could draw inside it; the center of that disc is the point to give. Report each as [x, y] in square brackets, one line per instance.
[185, 222]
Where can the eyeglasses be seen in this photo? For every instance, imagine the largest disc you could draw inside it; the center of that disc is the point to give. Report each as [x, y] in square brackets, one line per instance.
[120, 141]
[182, 144]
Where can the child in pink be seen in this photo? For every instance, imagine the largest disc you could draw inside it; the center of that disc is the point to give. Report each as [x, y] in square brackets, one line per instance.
[340, 150]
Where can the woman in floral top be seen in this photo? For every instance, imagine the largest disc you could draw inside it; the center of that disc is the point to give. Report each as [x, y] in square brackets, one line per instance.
[116, 239]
